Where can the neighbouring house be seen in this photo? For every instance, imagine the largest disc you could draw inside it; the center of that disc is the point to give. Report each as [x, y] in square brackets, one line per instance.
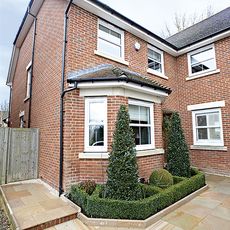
[3, 119]
[75, 62]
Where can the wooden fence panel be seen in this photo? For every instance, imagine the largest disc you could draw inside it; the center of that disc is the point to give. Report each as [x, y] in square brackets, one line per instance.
[21, 161]
[4, 132]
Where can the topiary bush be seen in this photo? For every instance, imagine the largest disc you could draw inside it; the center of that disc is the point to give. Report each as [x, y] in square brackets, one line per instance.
[122, 183]
[178, 162]
[161, 178]
[88, 186]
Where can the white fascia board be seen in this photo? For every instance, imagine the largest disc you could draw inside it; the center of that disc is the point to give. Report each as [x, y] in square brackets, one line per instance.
[204, 43]
[209, 105]
[131, 86]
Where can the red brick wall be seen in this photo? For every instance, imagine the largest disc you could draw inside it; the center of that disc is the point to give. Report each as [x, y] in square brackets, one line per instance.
[46, 85]
[211, 88]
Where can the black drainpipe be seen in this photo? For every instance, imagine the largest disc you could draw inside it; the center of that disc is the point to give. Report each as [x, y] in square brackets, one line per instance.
[32, 66]
[63, 92]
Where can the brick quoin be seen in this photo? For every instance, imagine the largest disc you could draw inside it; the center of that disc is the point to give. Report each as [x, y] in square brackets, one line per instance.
[82, 42]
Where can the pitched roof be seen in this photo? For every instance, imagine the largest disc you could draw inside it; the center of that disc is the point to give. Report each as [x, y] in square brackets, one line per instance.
[107, 72]
[211, 26]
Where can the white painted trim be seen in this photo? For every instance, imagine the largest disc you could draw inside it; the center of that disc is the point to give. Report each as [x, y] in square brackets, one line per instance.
[158, 74]
[162, 59]
[207, 147]
[202, 49]
[152, 123]
[105, 155]
[113, 91]
[207, 142]
[86, 136]
[129, 85]
[208, 73]
[29, 65]
[93, 155]
[21, 113]
[209, 105]
[122, 61]
[115, 29]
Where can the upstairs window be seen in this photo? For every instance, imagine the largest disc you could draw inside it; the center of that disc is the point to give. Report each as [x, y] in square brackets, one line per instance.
[207, 127]
[155, 60]
[202, 60]
[95, 124]
[141, 121]
[110, 40]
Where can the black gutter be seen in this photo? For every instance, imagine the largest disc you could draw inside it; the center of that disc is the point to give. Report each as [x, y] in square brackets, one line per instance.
[63, 92]
[32, 66]
[124, 79]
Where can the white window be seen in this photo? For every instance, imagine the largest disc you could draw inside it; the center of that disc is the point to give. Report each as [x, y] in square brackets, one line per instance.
[202, 60]
[141, 121]
[110, 40]
[95, 124]
[207, 127]
[28, 84]
[155, 60]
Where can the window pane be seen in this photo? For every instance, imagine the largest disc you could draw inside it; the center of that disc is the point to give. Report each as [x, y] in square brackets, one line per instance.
[154, 55]
[201, 120]
[154, 65]
[214, 133]
[109, 48]
[109, 35]
[202, 134]
[134, 114]
[202, 56]
[145, 135]
[209, 64]
[144, 115]
[96, 135]
[96, 112]
[214, 119]
[137, 135]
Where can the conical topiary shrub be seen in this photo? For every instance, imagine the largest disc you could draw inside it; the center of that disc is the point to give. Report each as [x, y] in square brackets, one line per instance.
[122, 170]
[178, 162]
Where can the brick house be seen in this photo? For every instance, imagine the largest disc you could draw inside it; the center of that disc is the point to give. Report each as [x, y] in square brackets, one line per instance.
[73, 65]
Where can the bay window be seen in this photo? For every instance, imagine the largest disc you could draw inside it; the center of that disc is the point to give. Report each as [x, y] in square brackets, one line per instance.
[95, 124]
[141, 121]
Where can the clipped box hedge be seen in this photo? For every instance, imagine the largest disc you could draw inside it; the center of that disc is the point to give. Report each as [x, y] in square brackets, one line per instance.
[94, 206]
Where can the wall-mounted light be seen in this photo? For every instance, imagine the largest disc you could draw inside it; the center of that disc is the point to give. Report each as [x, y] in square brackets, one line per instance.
[137, 46]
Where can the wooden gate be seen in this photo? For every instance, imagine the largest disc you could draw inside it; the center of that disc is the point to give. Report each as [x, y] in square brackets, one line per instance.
[18, 154]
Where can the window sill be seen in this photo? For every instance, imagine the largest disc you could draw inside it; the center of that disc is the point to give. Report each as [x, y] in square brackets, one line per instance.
[195, 76]
[157, 73]
[105, 155]
[26, 99]
[119, 60]
[208, 147]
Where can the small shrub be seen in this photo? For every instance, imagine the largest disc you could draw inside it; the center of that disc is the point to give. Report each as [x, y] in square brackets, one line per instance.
[148, 190]
[178, 179]
[88, 186]
[161, 178]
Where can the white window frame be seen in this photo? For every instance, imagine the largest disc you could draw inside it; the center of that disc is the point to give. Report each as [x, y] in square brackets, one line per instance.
[150, 105]
[162, 74]
[207, 142]
[28, 80]
[200, 51]
[115, 29]
[86, 141]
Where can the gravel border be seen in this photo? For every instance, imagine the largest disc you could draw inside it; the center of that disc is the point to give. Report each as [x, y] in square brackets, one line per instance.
[4, 221]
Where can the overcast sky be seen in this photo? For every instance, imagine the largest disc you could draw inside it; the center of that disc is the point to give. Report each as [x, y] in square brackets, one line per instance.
[152, 14]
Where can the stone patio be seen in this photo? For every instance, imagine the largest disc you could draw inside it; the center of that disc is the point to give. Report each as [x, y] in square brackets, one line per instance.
[33, 204]
[208, 211]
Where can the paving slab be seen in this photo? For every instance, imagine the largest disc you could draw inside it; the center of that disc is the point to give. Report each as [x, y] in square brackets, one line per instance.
[35, 205]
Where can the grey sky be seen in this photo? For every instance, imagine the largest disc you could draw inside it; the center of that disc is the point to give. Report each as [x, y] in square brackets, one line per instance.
[152, 14]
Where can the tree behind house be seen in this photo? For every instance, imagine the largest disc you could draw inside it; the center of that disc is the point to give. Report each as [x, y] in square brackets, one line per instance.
[122, 170]
[178, 162]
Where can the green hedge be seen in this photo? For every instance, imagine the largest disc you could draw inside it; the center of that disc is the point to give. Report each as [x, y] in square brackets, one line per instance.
[94, 206]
